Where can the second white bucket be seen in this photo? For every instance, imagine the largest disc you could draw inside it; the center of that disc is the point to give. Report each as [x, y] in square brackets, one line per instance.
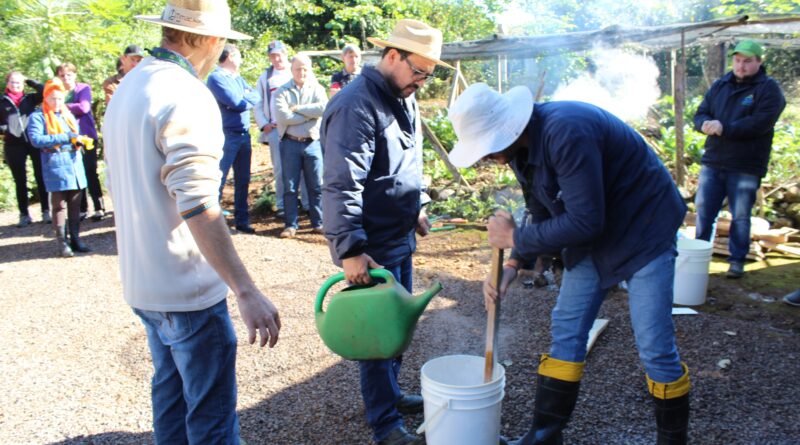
[691, 271]
[459, 407]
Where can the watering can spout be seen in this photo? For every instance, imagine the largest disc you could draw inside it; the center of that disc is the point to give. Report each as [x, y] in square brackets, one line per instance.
[422, 300]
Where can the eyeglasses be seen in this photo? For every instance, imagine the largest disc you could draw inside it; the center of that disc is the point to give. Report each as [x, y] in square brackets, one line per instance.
[418, 73]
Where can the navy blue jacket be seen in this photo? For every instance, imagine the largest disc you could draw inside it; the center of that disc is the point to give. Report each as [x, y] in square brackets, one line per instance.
[234, 97]
[593, 186]
[748, 112]
[372, 178]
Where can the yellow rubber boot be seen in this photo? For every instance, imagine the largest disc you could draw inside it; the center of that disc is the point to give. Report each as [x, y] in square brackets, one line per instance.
[559, 382]
[672, 408]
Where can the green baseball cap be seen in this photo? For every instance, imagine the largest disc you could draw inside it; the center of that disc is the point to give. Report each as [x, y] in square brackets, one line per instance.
[748, 48]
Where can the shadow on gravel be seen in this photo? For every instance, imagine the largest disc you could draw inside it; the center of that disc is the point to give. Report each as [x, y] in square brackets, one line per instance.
[112, 438]
[37, 241]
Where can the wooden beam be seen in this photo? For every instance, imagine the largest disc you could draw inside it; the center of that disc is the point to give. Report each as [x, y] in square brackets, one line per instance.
[437, 146]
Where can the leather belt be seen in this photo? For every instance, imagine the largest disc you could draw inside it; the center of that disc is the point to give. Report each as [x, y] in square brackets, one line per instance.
[295, 138]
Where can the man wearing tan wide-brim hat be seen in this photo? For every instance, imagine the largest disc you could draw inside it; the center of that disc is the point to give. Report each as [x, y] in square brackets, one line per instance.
[372, 192]
[163, 136]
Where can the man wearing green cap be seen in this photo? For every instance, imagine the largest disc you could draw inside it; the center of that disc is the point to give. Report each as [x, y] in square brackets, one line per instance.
[738, 115]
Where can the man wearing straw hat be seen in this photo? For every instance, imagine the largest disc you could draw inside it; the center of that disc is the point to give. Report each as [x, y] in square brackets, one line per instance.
[599, 195]
[372, 192]
[164, 141]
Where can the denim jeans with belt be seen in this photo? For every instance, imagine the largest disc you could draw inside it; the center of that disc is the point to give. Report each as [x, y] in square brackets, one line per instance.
[194, 384]
[740, 188]
[650, 300]
[379, 387]
[237, 153]
[301, 160]
[274, 141]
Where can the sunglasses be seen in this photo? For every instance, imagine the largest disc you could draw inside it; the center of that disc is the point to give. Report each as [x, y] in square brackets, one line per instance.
[418, 74]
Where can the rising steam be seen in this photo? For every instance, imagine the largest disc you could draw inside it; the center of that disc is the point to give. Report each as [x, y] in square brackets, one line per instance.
[625, 84]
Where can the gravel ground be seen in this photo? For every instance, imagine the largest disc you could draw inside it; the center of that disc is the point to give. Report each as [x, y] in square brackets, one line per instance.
[77, 368]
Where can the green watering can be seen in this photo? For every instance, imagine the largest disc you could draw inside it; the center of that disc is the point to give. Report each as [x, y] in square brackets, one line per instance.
[370, 322]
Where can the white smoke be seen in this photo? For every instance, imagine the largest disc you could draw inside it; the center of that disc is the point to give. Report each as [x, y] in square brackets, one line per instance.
[625, 84]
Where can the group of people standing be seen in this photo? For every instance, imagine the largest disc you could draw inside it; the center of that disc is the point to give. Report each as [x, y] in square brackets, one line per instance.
[54, 126]
[594, 191]
[288, 103]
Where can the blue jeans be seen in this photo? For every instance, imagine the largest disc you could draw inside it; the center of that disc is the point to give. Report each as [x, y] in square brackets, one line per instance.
[650, 300]
[301, 158]
[379, 387]
[236, 153]
[740, 188]
[194, 384]
[274, 141]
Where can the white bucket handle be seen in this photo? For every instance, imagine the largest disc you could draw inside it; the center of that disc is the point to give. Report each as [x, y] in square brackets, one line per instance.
[436, 414]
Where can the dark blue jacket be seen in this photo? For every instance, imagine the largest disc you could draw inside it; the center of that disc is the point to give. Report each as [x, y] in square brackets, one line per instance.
[234, 97]
[593, 186]
[372, 172]
[748, 112]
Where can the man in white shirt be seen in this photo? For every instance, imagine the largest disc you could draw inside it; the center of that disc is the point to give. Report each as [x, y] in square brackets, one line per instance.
[270, 80]
[163, 134]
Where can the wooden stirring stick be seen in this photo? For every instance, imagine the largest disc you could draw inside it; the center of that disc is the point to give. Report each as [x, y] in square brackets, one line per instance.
[493, 315]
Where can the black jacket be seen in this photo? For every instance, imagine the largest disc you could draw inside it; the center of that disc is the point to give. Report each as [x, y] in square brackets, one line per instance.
[372, 181]
[748, 112]
[593, 186]
[13, 119]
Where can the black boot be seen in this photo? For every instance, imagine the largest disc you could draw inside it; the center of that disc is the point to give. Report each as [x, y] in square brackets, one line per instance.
[672, 420]
[555, 400]
[63, 249]
[75, 237]
[671, 402]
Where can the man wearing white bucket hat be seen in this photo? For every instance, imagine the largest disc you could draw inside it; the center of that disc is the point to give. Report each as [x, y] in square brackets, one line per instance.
[372, 192]
[598, 194]
[164, 139]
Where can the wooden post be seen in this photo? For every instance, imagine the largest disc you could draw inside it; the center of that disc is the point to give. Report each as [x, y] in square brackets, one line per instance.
[454, 89]
[679, 94]
[499, 74]
[493, 315]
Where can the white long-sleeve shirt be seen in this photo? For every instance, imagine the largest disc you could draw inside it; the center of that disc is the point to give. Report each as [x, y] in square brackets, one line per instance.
[163, 142]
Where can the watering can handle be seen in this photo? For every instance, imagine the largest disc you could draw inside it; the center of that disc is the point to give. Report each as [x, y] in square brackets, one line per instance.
[374, 273]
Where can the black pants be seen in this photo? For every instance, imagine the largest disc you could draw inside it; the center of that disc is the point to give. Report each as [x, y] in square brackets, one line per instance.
[16, 154]
[96, 192]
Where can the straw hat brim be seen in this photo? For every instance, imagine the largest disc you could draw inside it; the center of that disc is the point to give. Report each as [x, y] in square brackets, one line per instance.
[226, 33]
[485, 141]
[385, 43]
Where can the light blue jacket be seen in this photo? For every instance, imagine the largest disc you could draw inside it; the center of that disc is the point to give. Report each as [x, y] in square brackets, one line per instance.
[62, 164]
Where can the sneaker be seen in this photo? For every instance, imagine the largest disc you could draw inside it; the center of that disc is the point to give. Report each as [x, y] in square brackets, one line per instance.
[736, 270]
[793, 299]
[289, 232]
[24, 221]
[46, 217]
[83, 216]
[98, 215]
[226, 213]
[318, 230]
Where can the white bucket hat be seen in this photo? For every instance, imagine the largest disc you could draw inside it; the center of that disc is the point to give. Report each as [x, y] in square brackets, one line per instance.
[487, 122]
[204, 17]
[415, 37]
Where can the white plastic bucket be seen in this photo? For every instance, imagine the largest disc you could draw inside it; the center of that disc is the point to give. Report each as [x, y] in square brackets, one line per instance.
[691, 271]
[459, 407]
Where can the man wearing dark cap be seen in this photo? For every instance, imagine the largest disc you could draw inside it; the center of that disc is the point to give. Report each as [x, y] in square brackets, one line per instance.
[131, 57]
[738, 114]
